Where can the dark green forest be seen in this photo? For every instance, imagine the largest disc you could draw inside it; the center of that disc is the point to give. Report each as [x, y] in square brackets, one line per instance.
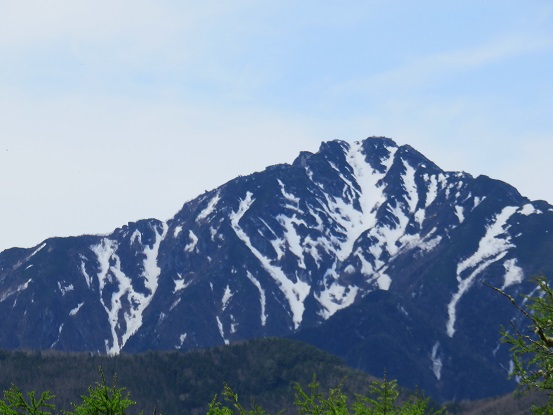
[262, 371]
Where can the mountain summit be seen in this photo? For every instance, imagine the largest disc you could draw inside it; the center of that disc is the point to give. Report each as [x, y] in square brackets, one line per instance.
[366, 249]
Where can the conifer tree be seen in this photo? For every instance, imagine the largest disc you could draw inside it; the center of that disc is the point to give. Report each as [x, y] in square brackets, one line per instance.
[532, 346]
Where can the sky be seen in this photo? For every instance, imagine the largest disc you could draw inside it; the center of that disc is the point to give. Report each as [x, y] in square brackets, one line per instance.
[115, 111]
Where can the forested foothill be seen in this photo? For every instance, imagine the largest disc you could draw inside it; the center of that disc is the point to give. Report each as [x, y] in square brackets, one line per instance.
[264, 371]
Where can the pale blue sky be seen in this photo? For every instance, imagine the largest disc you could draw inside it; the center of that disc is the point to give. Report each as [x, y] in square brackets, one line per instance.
[112, 111]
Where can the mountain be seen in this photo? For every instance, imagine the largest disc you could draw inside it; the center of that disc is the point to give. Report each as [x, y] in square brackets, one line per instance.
[368, 250]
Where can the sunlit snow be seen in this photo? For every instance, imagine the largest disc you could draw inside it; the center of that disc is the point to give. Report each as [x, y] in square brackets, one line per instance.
[180, 284]
[262, 299]
[432, 191]
[65, 289]
[177, 231]
[226, 298]
[410, 186]
[11, 292]
[36, 251]
[136, 236]
[76, 309]
[30, 256]
[513, 273]
[477, 201]
[209, 209]
[529, 209]
[288, 196]
[295, 292]
[436, 361]
[193, 242]
[182, 338]
[291, 236]
[459, 213]
[111, 272]
[335, 297]
[491, 248]
[221, 331]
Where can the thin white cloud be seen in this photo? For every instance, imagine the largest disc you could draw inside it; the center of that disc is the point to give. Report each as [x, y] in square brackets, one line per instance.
[125, 109]
[38, 22]
[424, 70]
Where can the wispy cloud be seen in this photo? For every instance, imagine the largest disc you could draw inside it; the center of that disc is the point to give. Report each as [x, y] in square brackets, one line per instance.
[428, 69]
[110, 98]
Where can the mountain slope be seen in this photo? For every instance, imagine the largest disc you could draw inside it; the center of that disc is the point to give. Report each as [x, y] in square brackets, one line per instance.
[292, 248]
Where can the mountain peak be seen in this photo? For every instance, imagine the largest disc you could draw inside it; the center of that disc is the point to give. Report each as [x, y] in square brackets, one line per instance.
[300, 247]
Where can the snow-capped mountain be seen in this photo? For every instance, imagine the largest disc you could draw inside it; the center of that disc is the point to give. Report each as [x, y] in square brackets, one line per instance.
[368, 249]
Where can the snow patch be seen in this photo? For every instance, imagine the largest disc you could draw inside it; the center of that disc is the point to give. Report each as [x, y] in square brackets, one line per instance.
[388, 237]
[193, 242]
[177, 231]
[292, 237]
[436, 361]
[370, 196]
[175, 303]
[221, 331]
[76, 309]
[295, 292]
[477, 201]
[87, 277]
[491, 248]
[513, 273]
[213, 233]
[233, 324]
[384, 281]
[209, 209]
[182, 338]
[111, 273]
[11, 292]
[262, 298]
[410, 186]
[226, 298]
[65, 289]
[288, 196]
[430, 244]
[136, 236]
[459, 213]
[180, 284]
[335, 297]
[528, 209]
[36, 251]
[432, 192]
[350, 269]
[419, 216]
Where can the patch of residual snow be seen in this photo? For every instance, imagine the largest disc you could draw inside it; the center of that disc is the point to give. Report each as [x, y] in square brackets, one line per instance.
[210, 208]
[529, 209]
[262, 299]
[193, 242]
[436, 361]
[353, 222]
[117, 306]
[492, 248]
[294, 291]
[16, 290]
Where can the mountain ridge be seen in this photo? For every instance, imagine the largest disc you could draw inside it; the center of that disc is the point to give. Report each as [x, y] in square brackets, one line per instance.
[289, 249]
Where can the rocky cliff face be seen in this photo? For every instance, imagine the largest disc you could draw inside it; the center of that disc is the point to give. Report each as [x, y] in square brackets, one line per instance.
[368, 250]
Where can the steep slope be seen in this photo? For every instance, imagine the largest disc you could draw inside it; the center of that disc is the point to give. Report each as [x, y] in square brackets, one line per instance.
[293, 247]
